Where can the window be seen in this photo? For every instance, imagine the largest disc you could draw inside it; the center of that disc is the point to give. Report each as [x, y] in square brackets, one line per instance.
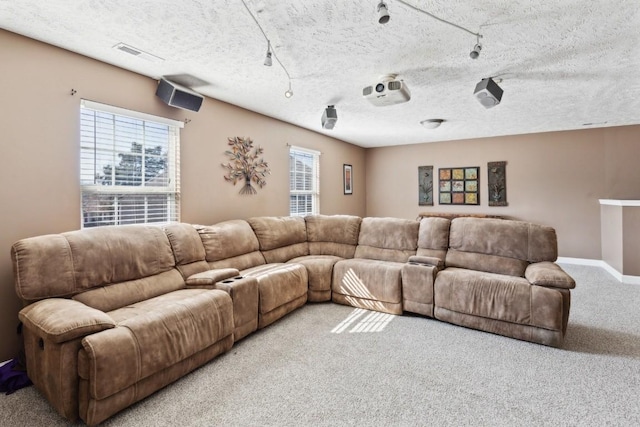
[304, 182]
[129, 166]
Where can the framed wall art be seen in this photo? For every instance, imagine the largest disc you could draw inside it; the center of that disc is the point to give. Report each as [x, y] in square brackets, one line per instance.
[347, 178]
[425, 185]
[459, 186]
[497, 174]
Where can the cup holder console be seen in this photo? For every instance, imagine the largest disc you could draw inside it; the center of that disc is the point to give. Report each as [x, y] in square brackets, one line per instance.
[233, 279]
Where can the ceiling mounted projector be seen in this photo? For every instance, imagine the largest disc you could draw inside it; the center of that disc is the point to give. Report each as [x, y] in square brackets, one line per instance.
[488, 93]
[387, 91]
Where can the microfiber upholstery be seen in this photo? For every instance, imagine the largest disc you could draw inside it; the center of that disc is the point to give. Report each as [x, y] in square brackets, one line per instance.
[188, 250]
[113, 314]
[335, 235]
[331, 238]
[84, 259]
[433, 237]
[501, 304]
[160, 334]
[280, 238]
[78, 284]
[387, 239]
[231, 244]
[501, 278]
[499, 246]
[372, 279]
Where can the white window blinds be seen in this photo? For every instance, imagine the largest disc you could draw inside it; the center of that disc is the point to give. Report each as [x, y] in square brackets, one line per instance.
[129, 166]
[304, 181]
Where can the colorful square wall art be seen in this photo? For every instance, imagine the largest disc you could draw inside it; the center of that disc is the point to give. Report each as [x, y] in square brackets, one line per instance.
[459, 186]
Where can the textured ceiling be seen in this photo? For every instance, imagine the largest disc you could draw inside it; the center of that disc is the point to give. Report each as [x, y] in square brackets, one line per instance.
[563, 64]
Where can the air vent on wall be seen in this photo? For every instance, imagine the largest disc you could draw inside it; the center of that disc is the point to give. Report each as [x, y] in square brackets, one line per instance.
[137, 52]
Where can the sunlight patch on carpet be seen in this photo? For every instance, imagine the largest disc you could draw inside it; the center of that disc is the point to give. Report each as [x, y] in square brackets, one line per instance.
[373, 322]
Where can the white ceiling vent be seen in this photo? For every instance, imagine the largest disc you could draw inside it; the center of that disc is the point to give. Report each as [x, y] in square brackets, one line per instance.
[137, 52]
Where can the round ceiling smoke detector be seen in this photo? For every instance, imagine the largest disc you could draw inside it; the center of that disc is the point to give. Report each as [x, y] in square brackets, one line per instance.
[431, 123]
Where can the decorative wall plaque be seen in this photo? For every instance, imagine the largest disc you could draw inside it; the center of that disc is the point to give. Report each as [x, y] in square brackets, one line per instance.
[425, 185]
[497, 174]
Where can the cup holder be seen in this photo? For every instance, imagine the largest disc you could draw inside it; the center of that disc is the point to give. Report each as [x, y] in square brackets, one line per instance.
[238, 277]
[227, 281]
[233, 279]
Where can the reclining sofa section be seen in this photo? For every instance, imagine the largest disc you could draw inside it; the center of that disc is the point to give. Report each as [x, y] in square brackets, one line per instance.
[113, 314]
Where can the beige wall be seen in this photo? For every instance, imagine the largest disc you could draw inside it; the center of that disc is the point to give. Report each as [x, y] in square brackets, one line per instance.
[611, 231]
[553, 178]
[631, 233]
[620, 230]
[39, 138]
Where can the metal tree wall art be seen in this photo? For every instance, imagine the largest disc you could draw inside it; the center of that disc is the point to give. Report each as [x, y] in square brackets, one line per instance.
[245, 164]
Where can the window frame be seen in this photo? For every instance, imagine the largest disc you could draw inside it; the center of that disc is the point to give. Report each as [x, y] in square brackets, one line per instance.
[314, 192]
[113, 196]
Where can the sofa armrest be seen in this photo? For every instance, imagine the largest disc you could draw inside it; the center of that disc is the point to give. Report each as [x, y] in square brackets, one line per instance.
[60, 319]
[211, 277]
[427, 260]
[548, 274]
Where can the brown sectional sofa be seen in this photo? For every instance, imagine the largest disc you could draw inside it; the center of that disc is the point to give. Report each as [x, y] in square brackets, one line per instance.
[113, 314]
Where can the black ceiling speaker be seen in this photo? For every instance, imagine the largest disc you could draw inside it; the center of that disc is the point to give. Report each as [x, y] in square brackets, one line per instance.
[488, 93]
[178, 96]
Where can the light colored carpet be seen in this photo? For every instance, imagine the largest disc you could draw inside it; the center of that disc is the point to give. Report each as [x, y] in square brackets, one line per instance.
[330, 365]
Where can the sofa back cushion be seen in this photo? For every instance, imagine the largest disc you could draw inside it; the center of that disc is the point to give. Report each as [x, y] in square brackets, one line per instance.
[63, 265]
[187, 247]
[499, 246]
[230, 244]
[387, 239]
[335, 235]
[433, 237]
[281, 238]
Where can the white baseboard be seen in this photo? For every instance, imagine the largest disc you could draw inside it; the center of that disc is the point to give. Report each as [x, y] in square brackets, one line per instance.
[581, 261]
[631, 280]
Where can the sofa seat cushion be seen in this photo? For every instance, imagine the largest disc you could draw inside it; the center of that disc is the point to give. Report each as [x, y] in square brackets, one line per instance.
[278, 284]
[320, 272]
[500, 297]
[369, 279]
[154, 335]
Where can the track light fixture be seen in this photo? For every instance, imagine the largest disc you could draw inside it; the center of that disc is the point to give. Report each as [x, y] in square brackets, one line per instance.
[289, 92]
[476, 50]
[271, 53]
[383, 13]
[329, 117]
[267, 60]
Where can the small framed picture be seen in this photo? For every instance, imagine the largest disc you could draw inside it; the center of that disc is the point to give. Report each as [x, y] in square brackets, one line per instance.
[347, 178]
